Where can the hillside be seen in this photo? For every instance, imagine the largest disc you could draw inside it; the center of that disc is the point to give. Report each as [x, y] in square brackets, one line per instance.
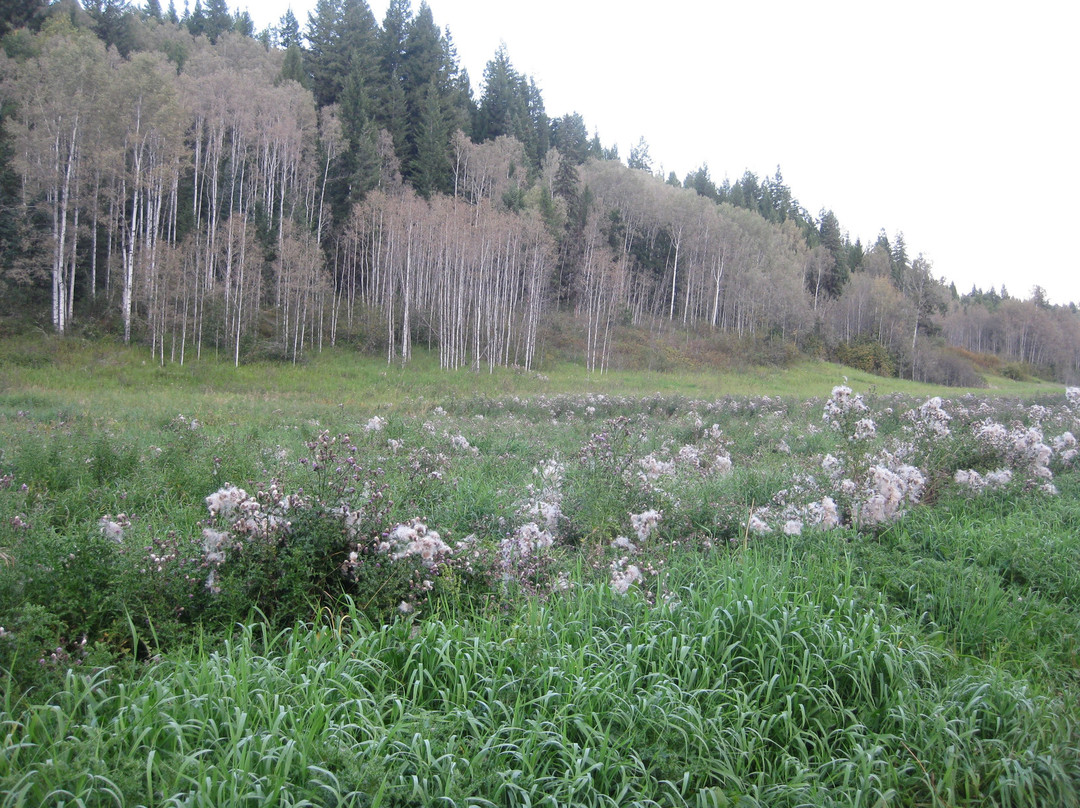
[192, 185]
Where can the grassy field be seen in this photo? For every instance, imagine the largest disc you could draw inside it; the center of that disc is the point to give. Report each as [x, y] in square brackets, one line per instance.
[348, 584]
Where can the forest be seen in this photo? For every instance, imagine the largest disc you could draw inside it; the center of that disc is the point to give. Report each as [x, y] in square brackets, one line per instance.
[183, 181]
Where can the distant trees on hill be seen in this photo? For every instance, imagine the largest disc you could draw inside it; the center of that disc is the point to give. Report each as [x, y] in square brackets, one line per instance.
[200, 187]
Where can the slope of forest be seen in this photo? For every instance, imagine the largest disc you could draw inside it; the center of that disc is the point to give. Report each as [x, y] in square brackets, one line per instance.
[191, 184]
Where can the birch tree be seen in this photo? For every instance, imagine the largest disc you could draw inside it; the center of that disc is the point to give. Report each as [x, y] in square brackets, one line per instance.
[58, 94]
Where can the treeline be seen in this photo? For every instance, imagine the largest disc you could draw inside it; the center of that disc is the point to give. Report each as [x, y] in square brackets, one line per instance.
[198, 185]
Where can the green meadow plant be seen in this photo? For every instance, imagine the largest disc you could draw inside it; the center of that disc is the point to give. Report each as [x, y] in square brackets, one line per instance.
[356, 587]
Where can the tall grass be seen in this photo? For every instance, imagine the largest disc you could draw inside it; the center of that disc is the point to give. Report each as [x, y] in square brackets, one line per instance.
[930, 661]
[750, 686]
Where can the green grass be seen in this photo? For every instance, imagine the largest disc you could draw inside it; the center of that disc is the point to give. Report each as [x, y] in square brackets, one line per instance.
[750, 684]
[929, 662]
[55, 374]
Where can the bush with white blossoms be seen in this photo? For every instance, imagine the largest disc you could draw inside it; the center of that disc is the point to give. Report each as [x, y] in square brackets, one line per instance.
[865, 429]
[977, 483]
[544, 503]
[930, 420]
[414, 538]
[823, 514]
[113, 529]
[842, 407]
[624, 575]
[264, 514]
[1065, 447]
[887, 493]
[1072, 397]
[1024, 450]
[645, 523]
[757, 523]
[524, 558]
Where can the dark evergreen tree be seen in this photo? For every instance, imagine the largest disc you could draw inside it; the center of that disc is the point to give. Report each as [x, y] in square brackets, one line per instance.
[780, 205]
[243, 24]
[423, 59]
[540, 130]
[288, 31]
[430, 167]
[292, 67]
[883, 242]
[425, 73]
[19, 13]
[218, 19]
[832, 239]
[325, 61]
[899, 260]
[514, 106]
[357, 171]
[196, 20]
[390, 103]
[501, 106]
[462, 106]
[567, 182]
[639, 159]
[571, 138]
[341, 41]
[393, 35]
[153, 9]
[701, 182]
[855, 255]
[112, 23]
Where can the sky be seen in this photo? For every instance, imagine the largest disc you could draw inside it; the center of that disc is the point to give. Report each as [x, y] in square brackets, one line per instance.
[955, 123]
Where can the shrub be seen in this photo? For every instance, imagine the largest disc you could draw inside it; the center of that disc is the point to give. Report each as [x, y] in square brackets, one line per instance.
[866, 354]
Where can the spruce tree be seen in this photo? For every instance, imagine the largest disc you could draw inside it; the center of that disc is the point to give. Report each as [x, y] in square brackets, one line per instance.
[288, 31]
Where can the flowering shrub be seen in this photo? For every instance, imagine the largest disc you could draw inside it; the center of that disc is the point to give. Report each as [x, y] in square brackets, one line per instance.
[842, 407]
[606, 484]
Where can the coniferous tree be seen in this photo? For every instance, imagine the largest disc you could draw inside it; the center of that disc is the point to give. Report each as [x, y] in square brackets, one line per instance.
[243, 24]
[287, 31]
[325, 61]
[390, 101]
[899, 260]
[112, 24]
[430, 169]
[701, 182]
[639, 158]
[292, 67]
[462, 106]
[359, 165]
[427, 83]
[18, 13]
[196, 20]
[832, 239]
[218, 19]
[514, 107]
[781, 204]
[571, 138]
[500, 105]
[540, 133]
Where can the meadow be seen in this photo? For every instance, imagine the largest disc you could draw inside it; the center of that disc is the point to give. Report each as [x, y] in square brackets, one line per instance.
[352, 584]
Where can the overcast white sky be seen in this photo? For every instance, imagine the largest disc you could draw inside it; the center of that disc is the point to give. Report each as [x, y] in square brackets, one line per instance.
[955, 122]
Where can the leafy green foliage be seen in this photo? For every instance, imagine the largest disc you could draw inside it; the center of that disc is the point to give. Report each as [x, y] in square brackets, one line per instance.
[866, 354]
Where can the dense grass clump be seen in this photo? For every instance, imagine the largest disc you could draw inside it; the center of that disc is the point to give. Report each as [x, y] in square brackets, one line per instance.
[742, 686]
[360, 586]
